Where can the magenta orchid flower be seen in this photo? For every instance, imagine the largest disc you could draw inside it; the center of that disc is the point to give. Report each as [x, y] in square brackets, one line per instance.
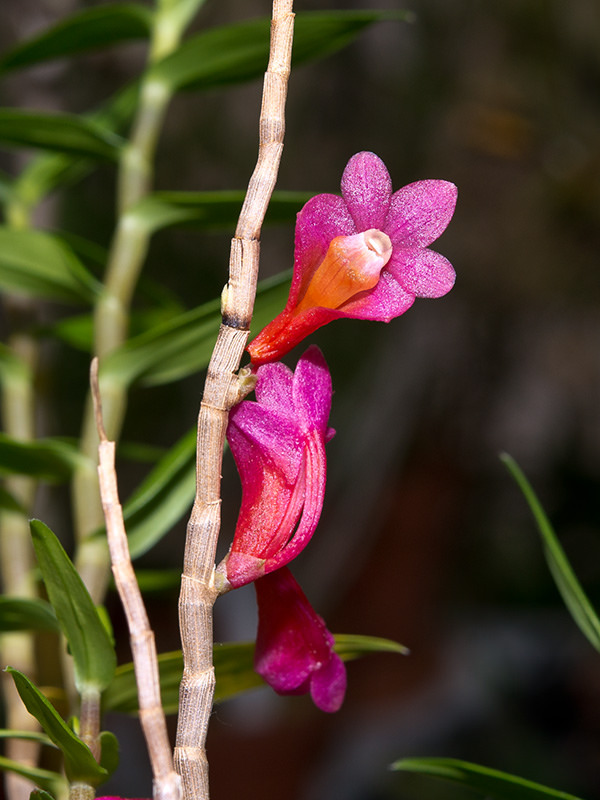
[278, 443]
[363, 255]
[294, 650]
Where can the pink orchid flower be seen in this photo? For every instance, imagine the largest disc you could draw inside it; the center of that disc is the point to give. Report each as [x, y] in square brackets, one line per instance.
[363, 255]
[278, 443]
[294, 650]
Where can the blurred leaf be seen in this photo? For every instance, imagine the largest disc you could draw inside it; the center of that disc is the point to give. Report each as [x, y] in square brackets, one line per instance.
[46, 459]
[37, 264]
[240, 52]
[86, 30]
[89, 643]
[490, 782]
[26, 614]
[350, 646]
[10, 503]
[163, 497]
[49, 781]
[63, 133]
[183, 345]
[109, 752]
[158, 580]
[569, 587]
[234, 671]
[80, 764]
[28, 736]
[12, 366]
[211, 210]
[40, 794]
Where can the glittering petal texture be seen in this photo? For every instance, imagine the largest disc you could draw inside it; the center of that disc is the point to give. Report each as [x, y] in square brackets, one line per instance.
[278, 443]
[294, 649]
[412, 218]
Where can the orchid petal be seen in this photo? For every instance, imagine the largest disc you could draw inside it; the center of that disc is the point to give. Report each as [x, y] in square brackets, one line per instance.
[385, 302]
[322, 219]
[367, 189]
[422, 272]
[274, 387]
[328, 685]
[420, 212]
[312, 389]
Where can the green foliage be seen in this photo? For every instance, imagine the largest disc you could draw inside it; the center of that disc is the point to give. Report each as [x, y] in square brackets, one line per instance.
[109, 752]
[89, 643]
[83, 31]
[234, 671]
[26, 614]
[51, 783]
[489, 782]
[47, 459]
[568, 585]
[37, 264]
[80, 764]
[63, 133]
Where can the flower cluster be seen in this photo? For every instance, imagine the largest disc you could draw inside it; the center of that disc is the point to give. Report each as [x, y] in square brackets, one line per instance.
[364, 255]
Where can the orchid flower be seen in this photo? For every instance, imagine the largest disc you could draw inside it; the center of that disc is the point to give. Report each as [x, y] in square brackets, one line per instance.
[294, 650]
[278, 443]
[363, 255]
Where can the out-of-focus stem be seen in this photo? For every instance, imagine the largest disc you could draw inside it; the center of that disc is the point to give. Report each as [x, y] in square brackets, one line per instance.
[221, 392]
[111, 318]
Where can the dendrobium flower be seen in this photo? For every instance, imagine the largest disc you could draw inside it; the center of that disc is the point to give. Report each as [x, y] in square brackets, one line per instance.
[278, 443]
[363, 255]
[294, 650]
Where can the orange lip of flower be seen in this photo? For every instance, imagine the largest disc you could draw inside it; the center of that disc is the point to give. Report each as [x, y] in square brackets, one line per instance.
[351, 265]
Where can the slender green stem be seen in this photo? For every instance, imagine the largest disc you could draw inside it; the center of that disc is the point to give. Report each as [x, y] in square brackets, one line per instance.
[111, 318]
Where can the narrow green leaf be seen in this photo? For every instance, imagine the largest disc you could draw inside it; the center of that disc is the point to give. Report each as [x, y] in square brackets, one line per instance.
[568, 585]
[48, 781]
[37, 264]
[62, 133]
[163, 497]
[47, 459]
[183, 345]
[240, 52]
[211, 210]
[26, 614]
[40, 794]
[490, 782]
[86, 30]
[80, 764]
[89, 643]
[28, 736]
[234, 671]
[10, 503]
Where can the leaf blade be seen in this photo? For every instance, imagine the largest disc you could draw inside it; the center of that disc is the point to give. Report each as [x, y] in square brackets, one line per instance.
[26, 614]
[491, 782]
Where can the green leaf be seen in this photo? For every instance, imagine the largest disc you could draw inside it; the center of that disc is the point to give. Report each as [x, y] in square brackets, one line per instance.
[28, 736]
[490, 782]
[569, 587]
[46, 459]
[62, 133]
[40, 794]
[109, 752]
[163, 497]
[37, 264]
[80, 764]
[9, 503]
[183, 346]
[26, 614]
[48, 781]
[240, 52]
[83, 31]
[211, 210]
[234, 671]
[89, 643]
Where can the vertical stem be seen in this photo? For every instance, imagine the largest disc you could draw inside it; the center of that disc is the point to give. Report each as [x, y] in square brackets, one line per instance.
[198, 591]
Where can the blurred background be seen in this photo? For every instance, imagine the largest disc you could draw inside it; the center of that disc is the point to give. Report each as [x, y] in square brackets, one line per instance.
[424, 538]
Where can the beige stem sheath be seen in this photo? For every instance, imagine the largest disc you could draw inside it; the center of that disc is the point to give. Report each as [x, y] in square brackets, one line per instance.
[220, 394]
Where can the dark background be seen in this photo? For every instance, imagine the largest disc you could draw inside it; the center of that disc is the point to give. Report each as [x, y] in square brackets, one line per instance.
[424, 537]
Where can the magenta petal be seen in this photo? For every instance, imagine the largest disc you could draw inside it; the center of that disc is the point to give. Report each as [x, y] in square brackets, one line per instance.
[274, 386]
[383, 303]
[366, 189]
[420, 212]
[422, 272]
[328, 685]
[312, 390]
[322, 219]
